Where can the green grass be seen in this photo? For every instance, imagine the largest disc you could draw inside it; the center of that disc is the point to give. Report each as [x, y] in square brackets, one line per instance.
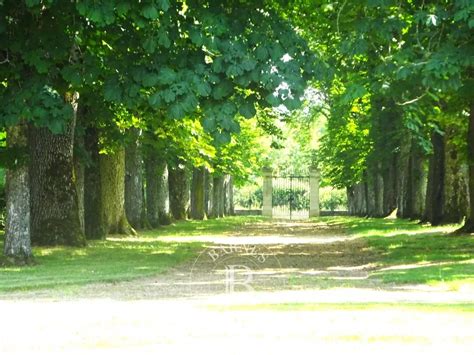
[115, 259]
[405, 253]
[410, 253]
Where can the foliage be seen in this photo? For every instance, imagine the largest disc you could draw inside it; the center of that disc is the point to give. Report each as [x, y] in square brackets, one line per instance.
[249, 196]
[332, 199]
[295, 198]
[410, 58]
[220, 60]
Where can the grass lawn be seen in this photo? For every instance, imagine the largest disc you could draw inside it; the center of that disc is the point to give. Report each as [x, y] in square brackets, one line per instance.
[416, 254]
[406, 253]
[116, 259]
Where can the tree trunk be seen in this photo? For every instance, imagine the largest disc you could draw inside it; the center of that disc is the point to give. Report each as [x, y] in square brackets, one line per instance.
[112, 176]
[154, 169]
[218, 197]
[134, 203]
[456, 202]
[79, 176]
[357, 205]
[231, 196]
[434, 195]
[390, 191]
[404, 186]
[95, 224]
[178, 191]
[164, 195]
[418, 182]
[208, 193]
[469, 225]
[54, 204]
[197, 194]
[17, 246]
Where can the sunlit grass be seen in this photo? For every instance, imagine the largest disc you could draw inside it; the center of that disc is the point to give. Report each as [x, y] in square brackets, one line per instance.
[424, 254]
[119, 258]
[101, 261]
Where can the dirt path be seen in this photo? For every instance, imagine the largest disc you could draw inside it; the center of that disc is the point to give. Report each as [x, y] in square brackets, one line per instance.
[197, 306]
[265, 258]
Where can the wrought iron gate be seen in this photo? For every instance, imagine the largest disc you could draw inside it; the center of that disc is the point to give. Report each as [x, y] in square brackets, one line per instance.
[290, 196]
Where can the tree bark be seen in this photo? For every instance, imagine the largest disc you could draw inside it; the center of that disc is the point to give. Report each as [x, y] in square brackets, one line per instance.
[390, 191]
[197, 194]
[134, 203]
[112, 176]
[418, 182]
[404, 186]
[218, 197]
[231, 196]
[208, 192]
[434, 195]
[164, 196]
[17, 246]
[356, 200]
[95, 225]
[178, 191]
[456, 201]
[54, 204]
[469, 225]
[79, 171]
[154, 169]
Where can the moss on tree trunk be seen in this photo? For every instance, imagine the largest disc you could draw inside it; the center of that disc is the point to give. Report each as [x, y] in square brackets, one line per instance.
[434, 194]
[94, 222]
[17, 246]
[197, 194]
[455, 202]
[178, 191]
[469, 224]
[218, 197]
[54, 204]
[356, 200]
[112, 177]
[134, 202]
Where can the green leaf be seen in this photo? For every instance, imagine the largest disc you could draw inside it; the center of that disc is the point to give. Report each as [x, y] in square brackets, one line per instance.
[209, 123]
[163, 39]
[151, 80]
[248, 110]
[196, 37]
[218, 65]
[164, 4]
[223, 89]
[155, 100]
[150, 12]
[150, 45]
[203, 89]
[261, 53]
[272, 100]
[176, 111]
[112, 91]
[72, 75]
[32, 3]
[166, 76]
[169, 96]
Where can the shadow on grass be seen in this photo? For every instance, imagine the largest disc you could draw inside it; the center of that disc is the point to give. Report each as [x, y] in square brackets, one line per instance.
[101, 261]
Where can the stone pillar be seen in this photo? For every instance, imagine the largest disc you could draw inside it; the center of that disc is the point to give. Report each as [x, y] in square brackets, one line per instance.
[267, 192]
[314, 192]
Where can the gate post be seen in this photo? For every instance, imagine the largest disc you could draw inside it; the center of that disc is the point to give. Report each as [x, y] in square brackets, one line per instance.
[267, 192]
[314, 192]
